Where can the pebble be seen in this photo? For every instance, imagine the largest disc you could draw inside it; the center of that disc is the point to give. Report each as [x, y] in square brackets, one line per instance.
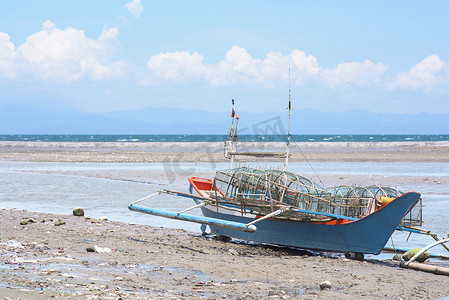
[325, 285]
[102, 250]
[233, 251]
[59, 222]
[14, 244]
[78, 211]
[397, 257]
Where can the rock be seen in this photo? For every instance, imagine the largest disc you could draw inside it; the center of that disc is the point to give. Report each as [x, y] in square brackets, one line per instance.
[90, 249]
[325, 285]
[24, 222]
[233, 251]
[272, 293]
[78, 211]
[59, 222]
[103, 218]
[102, 250]
[422, 258]
[397, 257]
[14, 244]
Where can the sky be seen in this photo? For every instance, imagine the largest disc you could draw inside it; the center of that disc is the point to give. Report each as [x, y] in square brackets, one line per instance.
[103, 56]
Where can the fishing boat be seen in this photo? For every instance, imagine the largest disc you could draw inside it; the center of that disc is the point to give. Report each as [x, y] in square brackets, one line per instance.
[279, 207]
[290, 226]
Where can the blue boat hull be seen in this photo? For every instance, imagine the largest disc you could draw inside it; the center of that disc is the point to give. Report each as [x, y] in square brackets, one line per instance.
[366, 235]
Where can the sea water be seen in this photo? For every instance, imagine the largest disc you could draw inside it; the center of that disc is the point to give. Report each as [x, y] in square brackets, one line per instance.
[34, 186]
[221, 138]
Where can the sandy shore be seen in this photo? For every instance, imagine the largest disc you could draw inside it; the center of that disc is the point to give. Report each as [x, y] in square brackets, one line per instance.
[150, 262]
[172, 153]
[213, 152]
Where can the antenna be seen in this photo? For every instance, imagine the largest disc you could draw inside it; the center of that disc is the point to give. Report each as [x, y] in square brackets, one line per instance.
[289, 116]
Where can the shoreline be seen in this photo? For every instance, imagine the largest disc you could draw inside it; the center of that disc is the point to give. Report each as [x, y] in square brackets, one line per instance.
[213, 151]
[159, 263]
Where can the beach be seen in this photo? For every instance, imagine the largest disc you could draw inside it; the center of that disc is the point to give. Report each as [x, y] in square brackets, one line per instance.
[213, 151]
[150, 262]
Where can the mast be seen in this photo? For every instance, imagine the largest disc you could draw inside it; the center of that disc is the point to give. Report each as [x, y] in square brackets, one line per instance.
[230, 147]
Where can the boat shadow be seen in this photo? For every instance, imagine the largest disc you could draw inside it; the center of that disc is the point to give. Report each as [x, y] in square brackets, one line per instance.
[249, 248]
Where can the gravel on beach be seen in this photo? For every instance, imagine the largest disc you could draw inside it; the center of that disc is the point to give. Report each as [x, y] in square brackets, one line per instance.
[62, 257]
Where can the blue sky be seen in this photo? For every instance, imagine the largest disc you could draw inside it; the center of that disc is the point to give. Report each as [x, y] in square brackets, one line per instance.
[99, 56]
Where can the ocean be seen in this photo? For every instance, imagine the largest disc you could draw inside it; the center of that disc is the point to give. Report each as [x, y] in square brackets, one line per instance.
[217, 138]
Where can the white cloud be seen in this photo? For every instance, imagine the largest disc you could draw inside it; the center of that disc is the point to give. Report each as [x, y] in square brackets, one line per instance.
[68, 55]
[60, 55]
[431, 72]
[7, 55]
[176, 66]
[240, 68]
[135, 8]
[357, 73]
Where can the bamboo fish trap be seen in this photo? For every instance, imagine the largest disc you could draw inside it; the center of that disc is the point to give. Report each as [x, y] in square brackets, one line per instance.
[264, 191]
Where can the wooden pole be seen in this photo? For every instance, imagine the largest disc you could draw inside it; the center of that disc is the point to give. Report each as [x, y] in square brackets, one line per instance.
[425, 268]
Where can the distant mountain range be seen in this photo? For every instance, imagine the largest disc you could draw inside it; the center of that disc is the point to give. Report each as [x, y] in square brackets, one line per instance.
[32, 120]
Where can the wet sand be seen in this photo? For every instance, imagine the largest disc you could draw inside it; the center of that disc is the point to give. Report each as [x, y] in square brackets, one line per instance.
[213, 152]
[150, 262]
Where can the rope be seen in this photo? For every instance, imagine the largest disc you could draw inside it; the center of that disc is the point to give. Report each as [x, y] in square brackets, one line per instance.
[394, 248]
[310, 165]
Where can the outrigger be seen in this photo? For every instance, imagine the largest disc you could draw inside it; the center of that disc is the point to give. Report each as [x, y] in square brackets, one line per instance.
[283, 208]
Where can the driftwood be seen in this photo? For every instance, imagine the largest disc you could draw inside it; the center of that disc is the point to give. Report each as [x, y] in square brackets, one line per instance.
[425, 268]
